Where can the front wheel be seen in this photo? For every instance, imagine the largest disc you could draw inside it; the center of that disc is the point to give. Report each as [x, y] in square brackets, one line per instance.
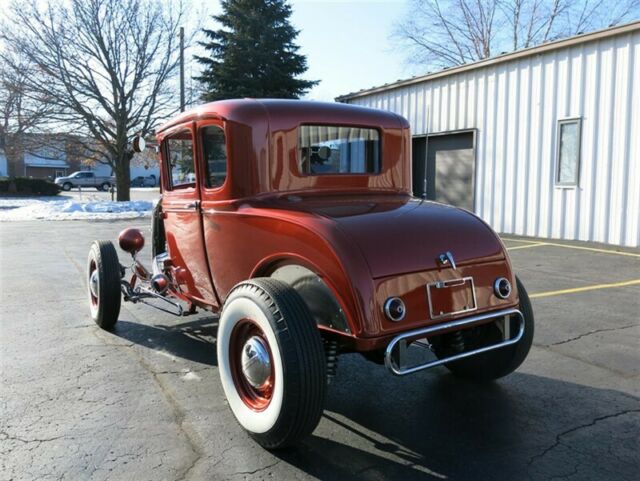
[271, 362]
[492, 364]
[103, 278]
[105, 187]
[66, 186]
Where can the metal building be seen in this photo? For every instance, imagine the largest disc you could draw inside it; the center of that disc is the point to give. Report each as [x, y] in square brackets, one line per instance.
[540, 142]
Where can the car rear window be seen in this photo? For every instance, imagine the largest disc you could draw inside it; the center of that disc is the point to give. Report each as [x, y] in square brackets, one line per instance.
[335, 149]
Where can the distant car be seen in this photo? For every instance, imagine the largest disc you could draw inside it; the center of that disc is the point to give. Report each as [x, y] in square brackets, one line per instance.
[141, 181]
[85, 179]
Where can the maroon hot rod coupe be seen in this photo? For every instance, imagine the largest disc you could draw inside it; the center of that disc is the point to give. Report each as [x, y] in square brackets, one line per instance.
[295, 221]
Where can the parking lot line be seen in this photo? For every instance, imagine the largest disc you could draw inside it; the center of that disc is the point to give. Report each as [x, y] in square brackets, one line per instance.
[537, 244]
[568, 246]
[585, 288]
[520, 240]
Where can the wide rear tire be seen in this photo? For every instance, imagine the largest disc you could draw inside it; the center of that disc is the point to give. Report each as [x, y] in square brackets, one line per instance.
[500, 362]
[271, 362]
[103, 284]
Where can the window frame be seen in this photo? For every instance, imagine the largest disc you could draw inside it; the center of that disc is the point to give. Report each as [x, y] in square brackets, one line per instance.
[201, 154]
[167, 160]
[340, 174]
[576, 182]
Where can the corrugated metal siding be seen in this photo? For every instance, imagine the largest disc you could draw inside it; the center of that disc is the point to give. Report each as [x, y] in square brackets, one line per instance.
[515, 107]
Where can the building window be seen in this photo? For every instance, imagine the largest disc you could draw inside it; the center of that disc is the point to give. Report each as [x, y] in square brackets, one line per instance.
[568, 153]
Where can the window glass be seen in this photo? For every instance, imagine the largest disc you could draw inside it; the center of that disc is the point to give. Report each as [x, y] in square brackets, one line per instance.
[332, 149]
[568, 152]
[215, 156]
[180, 156]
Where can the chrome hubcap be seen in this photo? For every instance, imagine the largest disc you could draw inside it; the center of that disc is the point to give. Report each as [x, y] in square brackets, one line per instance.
[256, 364]
[93, 283]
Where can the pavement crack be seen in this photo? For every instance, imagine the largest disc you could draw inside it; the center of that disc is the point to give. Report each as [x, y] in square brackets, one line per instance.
[558, 440]
[178, 411]
[4, 436]
[595, 331]
[236, 473]
[179, 416]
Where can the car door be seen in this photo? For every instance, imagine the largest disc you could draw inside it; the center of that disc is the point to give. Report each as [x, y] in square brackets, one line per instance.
[89, 179]
[216, 202]
[182, 216]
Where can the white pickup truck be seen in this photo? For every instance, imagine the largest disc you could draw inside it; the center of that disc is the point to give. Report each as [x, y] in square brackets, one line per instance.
[85, 179]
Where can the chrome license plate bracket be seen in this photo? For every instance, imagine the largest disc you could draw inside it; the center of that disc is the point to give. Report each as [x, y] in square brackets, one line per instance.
[451, 297]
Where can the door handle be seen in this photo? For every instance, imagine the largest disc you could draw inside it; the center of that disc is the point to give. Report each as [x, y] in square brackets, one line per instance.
[192, 205]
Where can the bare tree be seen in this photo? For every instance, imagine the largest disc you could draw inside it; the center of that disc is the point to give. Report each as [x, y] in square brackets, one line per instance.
[106, 65]
[20, 113]
[444, 33]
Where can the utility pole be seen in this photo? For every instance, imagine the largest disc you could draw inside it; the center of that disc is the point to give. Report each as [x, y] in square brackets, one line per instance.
[181, 69]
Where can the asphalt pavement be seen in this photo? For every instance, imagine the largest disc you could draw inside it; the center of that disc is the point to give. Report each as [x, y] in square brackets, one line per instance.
[145, 402]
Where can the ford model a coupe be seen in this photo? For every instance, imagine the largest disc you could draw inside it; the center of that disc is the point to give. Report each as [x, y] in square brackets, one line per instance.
[296, 223]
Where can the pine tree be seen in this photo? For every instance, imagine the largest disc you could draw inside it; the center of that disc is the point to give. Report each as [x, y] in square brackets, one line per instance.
[253, 54]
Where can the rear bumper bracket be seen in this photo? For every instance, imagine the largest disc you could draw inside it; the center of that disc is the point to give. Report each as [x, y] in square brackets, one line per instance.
[392, 359]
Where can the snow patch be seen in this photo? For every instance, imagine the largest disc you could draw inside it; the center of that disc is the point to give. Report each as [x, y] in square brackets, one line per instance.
[191, 376]
[43, 208]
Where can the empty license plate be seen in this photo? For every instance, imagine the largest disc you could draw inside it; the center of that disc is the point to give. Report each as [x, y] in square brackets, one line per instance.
[448, 298]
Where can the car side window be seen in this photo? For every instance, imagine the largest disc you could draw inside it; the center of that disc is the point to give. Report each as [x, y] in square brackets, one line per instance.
[215, 156]
[179, 152]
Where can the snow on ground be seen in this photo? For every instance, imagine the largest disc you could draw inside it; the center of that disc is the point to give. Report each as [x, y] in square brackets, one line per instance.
[54, 208]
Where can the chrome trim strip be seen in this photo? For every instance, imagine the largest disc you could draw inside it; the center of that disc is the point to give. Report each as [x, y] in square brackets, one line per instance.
[180, 209]
[462, 323]
[439, 284]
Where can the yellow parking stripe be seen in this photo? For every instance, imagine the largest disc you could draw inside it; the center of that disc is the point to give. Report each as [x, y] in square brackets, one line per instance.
[592, 249]
[585, 288]
[538, 244]
[520, 240]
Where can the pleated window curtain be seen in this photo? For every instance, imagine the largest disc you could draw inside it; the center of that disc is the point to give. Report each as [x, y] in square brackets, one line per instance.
[358, 148]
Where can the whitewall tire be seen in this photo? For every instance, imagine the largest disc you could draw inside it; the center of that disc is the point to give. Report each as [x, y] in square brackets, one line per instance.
[271, 362]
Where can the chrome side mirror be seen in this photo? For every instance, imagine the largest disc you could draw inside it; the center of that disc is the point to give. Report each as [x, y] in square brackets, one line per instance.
[138, 143]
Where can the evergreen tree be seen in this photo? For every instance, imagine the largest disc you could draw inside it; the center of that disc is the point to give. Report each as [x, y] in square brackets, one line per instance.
[253, 54]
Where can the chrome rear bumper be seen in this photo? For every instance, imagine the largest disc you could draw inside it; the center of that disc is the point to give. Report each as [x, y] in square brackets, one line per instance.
[400, 340]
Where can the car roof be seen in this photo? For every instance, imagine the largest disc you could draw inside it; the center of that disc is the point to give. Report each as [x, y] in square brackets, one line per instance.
[247, 110]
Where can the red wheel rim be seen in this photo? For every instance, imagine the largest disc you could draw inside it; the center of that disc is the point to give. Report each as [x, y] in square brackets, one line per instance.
[256, 398]
[92, 269]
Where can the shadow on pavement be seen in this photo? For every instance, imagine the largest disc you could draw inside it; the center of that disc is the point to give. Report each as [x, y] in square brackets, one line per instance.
[193, 340]
[434, 426]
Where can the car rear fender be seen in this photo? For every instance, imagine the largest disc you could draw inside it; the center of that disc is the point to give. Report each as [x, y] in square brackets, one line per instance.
[322, 298]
